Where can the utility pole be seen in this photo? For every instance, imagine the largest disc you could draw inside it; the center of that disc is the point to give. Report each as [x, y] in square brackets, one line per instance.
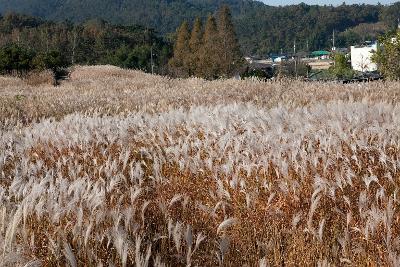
[152, 62]
[294, 47]
[294, 55]
[333, 48]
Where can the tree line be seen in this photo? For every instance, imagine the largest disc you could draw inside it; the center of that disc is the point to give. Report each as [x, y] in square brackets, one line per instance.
[207, 49]
[20, 61]
[261, 29]
[27, 42]
[32, 44]
[211, 51]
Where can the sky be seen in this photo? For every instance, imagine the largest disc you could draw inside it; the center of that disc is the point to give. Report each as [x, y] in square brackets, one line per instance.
[321, 2]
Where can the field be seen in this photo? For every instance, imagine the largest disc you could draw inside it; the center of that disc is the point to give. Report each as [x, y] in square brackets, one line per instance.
[121, 168]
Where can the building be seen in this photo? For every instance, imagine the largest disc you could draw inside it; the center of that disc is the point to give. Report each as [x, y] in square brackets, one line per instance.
[320, 64]
[341, 50]
[279, 58]
[361, 58]
[321, 54]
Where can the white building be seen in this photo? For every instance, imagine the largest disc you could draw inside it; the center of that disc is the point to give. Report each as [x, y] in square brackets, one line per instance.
[361, 58]
[279, 59]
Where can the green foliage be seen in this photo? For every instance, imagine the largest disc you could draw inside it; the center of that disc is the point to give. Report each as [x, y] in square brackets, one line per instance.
[19, 60]
[388, 56]
[361, 33]
[123, 58]
[93, 42]
[322, 75]
[15, 58]
[294, 69]
[390, 15]
[258, 73]
[342, 68]
[137, 58]
[260, 28]
[53, 60]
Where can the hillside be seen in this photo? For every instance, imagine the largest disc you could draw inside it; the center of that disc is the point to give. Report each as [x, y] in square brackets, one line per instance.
[165, 15]
[261, 28]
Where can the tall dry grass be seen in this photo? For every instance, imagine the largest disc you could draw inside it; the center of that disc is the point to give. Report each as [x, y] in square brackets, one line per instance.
[110, 90]
[122, 168]
[40, 78]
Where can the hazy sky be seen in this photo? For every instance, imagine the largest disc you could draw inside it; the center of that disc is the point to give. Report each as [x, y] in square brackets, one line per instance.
[321, 2]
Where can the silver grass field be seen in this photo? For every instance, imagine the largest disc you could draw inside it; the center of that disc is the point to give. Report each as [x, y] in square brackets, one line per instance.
[122, 168]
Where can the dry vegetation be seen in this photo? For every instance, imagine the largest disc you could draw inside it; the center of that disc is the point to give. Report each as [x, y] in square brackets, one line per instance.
[118, 168]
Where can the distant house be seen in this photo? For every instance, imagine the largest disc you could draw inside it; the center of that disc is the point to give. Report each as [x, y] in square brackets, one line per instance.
[279, 58]
[248, 59]
[361, 58]
[341, 50]
[320, 64]
[321, 54]
[251, 59]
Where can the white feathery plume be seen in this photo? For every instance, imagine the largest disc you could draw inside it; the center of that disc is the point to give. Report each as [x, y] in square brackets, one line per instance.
[226, 223]
[69, 255]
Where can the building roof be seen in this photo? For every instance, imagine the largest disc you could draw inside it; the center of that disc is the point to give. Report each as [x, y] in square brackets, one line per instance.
[341, 50]
[320, 53]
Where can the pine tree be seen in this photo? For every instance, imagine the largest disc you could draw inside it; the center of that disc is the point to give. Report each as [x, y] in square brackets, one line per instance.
[195, 44]
[209, 58]
[231, 56]
[179, 63]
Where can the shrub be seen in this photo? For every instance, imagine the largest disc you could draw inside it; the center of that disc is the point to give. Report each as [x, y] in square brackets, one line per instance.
[342, 68]
[16, 59]
[52, 60]
[294, 69]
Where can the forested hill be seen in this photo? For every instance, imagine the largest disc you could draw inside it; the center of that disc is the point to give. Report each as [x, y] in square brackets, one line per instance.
[261, 28]
[165, 15]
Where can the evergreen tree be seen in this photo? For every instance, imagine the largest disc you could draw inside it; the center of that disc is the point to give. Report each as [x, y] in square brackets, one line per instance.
[53, 60]
[179, 64]
[15, 58]
[231, 56]
[209, 58]
[195, 44]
